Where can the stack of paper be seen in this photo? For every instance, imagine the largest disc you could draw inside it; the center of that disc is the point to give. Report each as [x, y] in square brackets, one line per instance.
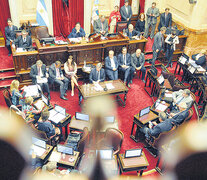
[56, 116]
[31, 90]
[39, 104]
[39, 151]
[75, 40]
[20, 50]
[98, 87]
[168, 95]
[161, 107]
[109, 86]
[55, 156]
[42, 80]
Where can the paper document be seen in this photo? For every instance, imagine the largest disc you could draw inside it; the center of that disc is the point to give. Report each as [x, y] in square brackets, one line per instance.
[161, 107]
[98, 87]
[76, 40]
[193, 63]
[31, 90]
[109, 86]
[38, 150]
[56, 116]
[39, 104]
[200, 68]
[182, 60]
[168, 95]
[20, 50]
[42, 80]
[55, 156]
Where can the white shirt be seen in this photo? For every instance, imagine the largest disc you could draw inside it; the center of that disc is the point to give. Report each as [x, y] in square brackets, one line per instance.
[112, 63]
[126, 7]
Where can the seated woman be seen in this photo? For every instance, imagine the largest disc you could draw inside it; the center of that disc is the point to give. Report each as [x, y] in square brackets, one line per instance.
[70, 68]
[200, 59]
[31, 113]
[16, 94]
[77, 31]
[115, 16]
[45, 125]
[140, 24]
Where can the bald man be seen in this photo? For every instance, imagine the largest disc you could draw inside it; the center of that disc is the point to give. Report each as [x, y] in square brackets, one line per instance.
[137, 63]
[131, 32]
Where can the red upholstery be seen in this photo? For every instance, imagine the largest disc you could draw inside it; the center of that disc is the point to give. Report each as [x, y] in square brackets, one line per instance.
[7, 97]
[121, 26]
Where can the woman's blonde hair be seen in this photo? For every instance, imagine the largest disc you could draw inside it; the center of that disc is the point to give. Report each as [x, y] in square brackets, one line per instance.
[14, 85]
[28, 100]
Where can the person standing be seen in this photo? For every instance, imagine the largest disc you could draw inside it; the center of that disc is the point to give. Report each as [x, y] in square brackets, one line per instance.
[111, 66]
[137, 63]
[126, 12]
[152, 14]
[10, 34]
[158, 44]
[114, 17]
[140, 24]
[165, 19]
[171, 41]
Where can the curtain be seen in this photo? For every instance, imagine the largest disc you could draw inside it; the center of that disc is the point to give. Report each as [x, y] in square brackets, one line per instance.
[65, 18]
[4, 14]
[121, 3]
[141, 6]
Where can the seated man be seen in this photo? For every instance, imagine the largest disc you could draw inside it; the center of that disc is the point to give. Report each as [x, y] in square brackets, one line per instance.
[24, 40]
[137, 63]
[77, 31]
[10, 34]
[166, 124]
[45, 125]
[101, 26]
[132, 33]
[56, 75]
[97, 74]
[124, 60]
[111, 66]
[181, 96]
[37, 72]
[200, 59]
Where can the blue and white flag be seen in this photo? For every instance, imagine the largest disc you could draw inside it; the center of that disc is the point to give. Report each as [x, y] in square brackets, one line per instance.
[42, 15]
[95, 14]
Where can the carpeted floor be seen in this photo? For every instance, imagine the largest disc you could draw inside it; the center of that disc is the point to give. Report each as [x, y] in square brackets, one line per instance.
[137, 99]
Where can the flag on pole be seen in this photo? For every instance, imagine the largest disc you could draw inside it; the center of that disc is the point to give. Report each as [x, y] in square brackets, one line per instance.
[42, 15]
[95, 14]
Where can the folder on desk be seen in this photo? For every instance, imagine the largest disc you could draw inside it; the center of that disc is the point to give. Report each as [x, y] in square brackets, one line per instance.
[57, 114]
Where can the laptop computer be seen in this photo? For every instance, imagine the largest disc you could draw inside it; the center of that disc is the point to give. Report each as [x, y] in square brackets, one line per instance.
[45, 99]
[161, 79]
[105, 154]
[144, 111]
[110, 119]
[38, 147]
[133, 153]
[81, 116]
[39, 142]
[65, 149]
[60, 109]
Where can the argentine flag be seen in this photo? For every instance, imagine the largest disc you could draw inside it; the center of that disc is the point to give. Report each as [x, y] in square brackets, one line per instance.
[42, 15]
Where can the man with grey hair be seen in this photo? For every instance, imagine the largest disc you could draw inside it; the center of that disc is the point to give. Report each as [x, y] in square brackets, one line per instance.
[137, 63]
[111, 66]
[39, 75]
[97, 74]
[158, 44]
[101, 26]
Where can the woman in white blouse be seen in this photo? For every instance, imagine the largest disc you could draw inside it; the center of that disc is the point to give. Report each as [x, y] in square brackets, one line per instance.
[70, 68]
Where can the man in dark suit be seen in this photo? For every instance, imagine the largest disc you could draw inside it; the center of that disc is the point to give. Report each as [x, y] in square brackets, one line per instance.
[152, 14]
[126, 12]
[97, 74]
[24, 40]
[200, 58]
[111, 66]
[137, 63]
[10, 34]
[158, 44]
[39, 75]
[77, 31]
[124, 60]
[131, 32]
[56, 75]
[101, 26]
[165, 19]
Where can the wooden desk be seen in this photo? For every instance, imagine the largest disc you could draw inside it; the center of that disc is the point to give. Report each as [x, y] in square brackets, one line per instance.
[88, 91]
[64, 161]
[91, 52]
[133, 164]
[140, 122]
[47, 152]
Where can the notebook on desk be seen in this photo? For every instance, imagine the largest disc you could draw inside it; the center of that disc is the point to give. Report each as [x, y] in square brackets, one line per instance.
[57, 114]
[133, 153]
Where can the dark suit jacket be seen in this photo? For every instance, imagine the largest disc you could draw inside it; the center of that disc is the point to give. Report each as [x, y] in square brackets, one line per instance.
[73, 34]
[134, 60]
[10, 34]
[165, 22]
[47, 127]
[20, 43]
[201, 60]
[124, 14]
[180, 117]
[134, 33]
[158, 42]
[34, 72]
[97, 26]
[121, 60]
[94, 77]
[140, 25]
[108, 63]
[52, 72]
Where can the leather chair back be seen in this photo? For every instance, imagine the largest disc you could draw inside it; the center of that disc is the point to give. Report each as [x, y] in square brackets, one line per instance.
[42, 32]
[7, 97]
[121, 26]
